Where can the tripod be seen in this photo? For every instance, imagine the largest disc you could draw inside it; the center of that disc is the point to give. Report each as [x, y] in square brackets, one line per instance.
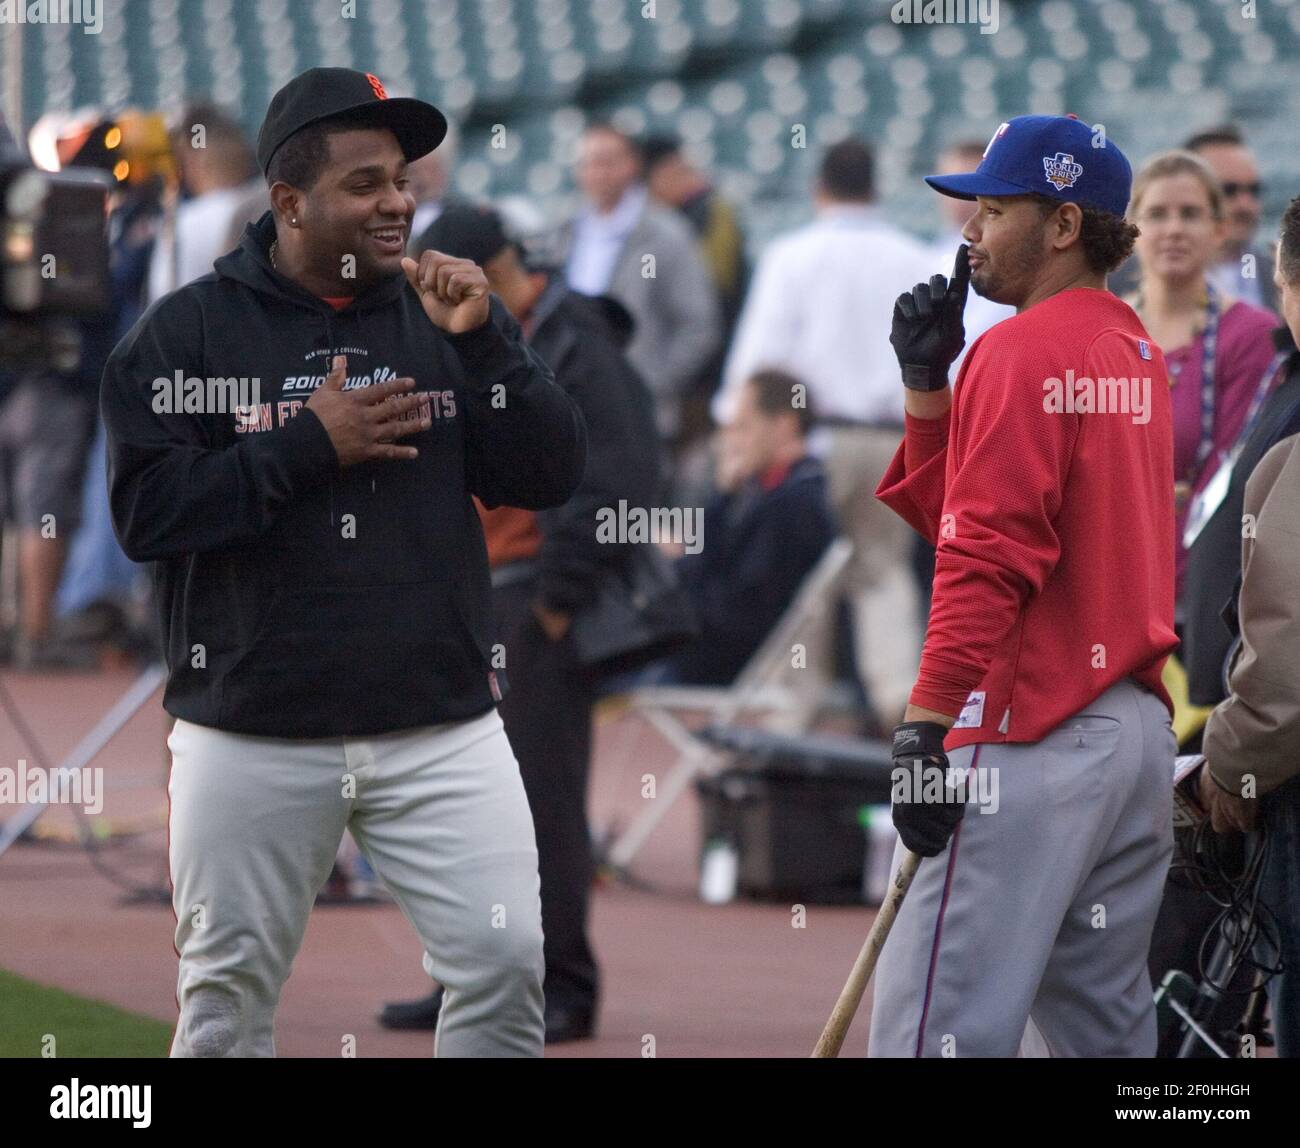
[1181, 1000]
[86, 750]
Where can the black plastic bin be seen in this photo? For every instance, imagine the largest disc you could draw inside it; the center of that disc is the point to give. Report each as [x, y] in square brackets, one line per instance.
[791, 809]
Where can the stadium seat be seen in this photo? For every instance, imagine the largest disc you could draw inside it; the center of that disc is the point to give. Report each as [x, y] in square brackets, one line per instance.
[732, 76]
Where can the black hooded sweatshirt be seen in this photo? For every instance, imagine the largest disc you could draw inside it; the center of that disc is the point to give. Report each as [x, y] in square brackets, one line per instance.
[298, 599]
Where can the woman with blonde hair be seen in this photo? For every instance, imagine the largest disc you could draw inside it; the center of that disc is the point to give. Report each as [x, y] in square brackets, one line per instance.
[1220, 355]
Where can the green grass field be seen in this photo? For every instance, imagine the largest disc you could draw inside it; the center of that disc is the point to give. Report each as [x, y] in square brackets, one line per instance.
[29, 1013]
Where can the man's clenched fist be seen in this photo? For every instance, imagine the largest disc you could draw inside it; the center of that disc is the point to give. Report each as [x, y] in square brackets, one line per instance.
[1229, 813]
[454, 292]
[363, 423]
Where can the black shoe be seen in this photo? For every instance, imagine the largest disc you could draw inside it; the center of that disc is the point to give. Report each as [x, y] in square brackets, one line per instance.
[565, 1024]
[562, 1024]
[413, 1015]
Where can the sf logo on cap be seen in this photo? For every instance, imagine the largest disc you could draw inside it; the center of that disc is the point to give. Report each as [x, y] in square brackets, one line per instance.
[377, 86]
[1061, 170]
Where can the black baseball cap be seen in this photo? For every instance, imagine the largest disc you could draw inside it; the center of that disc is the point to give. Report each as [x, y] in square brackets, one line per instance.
[656, 149]
[468, 231]
[324, 93]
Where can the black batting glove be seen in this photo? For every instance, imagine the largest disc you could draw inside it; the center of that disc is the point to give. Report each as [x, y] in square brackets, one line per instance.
[921, 771]
[928, 333]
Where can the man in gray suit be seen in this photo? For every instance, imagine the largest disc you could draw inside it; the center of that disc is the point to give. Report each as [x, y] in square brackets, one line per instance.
[622, 244]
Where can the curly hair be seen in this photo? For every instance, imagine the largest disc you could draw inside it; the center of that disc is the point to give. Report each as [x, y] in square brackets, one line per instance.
[1107, 238]
[1288, 250]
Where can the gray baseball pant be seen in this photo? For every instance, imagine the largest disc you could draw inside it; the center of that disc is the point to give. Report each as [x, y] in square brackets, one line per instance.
[1042, 910]
[441, 813]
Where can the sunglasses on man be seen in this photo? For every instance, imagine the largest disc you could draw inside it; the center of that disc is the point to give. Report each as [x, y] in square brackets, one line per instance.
[1254, 190]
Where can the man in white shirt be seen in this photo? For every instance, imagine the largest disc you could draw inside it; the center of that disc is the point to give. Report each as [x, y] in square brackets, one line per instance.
[598, 238]
[820, 307]
[216, 166]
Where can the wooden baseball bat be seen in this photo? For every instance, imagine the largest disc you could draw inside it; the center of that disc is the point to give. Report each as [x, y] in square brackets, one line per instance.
[828, 1045]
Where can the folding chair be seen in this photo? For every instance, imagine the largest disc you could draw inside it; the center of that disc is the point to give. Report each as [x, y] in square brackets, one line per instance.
[785, 683]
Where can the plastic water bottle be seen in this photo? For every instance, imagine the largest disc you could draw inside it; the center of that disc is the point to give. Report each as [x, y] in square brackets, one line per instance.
[882, 837]
[719, 869]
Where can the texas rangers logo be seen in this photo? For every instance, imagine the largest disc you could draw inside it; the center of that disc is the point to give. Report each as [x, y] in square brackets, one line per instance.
[376, 86]
[1061, 170]
[1003, 128]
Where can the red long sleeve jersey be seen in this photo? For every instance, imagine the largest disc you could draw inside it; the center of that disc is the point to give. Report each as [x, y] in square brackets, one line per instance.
[1048, 491]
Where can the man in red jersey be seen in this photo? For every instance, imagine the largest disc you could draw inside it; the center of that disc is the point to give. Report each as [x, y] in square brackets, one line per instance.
[1045, 479]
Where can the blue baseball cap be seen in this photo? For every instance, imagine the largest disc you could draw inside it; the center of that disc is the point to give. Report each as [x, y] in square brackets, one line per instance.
[1046, 155]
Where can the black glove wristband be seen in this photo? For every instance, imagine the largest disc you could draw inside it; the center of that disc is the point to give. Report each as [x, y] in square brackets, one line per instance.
[919, 739]
[923, 378]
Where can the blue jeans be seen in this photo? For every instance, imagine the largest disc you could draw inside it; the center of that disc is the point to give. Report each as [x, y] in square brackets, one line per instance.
[1280, 892]
[96, 569]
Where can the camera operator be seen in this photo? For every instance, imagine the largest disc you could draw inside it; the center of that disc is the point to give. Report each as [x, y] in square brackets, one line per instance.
[47, 422]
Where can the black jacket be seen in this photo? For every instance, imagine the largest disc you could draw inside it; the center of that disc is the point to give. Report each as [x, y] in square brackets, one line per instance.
[758, 546]
[581, 340]
[299, 600]
[1214, 561]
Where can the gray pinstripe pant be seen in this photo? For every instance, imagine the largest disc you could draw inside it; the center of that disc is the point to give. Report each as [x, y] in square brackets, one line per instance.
[1044, 909]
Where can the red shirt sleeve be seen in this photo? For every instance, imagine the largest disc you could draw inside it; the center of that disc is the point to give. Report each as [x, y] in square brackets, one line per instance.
[912, 486]
[1009, 460]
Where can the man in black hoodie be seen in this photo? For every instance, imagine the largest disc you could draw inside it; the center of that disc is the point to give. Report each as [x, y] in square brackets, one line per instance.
[295, 441]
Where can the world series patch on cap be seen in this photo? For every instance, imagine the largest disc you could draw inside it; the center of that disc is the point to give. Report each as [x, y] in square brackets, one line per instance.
[1056, 156]
[324, 93]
